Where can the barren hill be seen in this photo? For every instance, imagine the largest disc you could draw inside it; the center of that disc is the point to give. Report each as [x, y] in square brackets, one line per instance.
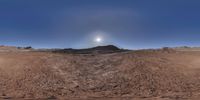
[98, 49]
[142, 74]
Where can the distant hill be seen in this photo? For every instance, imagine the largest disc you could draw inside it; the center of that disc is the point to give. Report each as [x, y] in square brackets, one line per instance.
[187, 48]
[14, 49]
[98, 49]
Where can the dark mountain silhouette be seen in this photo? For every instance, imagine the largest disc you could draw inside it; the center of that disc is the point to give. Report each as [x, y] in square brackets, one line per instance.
[98, 49]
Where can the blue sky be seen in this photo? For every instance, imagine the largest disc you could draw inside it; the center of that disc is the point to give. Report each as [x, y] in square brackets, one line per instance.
[129, 24]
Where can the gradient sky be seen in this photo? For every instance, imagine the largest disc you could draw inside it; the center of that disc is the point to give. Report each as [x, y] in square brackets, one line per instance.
[129, 24]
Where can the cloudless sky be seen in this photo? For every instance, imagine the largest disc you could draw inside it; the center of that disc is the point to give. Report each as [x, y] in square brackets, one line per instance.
[129, 24]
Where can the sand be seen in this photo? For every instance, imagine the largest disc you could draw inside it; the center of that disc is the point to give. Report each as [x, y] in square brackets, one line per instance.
[131, 75]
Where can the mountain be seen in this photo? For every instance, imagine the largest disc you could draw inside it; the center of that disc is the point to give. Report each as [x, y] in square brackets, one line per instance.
[98, 49]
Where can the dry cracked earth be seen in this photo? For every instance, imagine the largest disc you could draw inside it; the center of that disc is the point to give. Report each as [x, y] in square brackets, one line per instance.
[132, 75]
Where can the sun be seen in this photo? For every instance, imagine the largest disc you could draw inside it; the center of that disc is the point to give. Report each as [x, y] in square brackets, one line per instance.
[98, 39]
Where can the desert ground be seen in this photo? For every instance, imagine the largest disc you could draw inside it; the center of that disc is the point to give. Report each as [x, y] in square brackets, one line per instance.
[132, 75]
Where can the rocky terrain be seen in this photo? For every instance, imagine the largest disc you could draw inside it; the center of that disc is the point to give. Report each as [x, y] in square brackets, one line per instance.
[162, 74]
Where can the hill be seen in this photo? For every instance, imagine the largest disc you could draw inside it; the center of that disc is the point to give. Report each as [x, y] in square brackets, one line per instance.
[98, 49]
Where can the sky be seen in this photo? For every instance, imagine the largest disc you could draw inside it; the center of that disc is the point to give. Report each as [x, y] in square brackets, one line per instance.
[131, 24]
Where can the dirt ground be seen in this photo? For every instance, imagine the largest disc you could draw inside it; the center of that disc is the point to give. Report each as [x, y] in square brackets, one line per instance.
[132, 75]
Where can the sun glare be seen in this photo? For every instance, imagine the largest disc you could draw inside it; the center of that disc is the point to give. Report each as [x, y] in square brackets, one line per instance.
[98, 39]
